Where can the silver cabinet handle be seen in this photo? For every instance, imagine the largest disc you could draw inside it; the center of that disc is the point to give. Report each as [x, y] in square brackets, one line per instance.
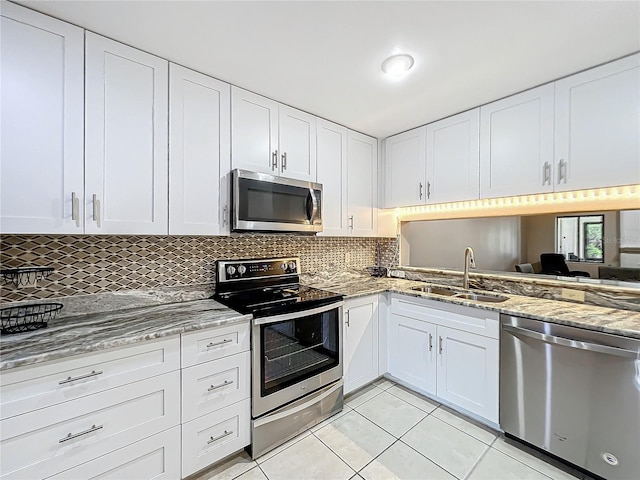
[71, 436]
[420, 191]
[440, 348]
[75, 208]
[567, 342]
[351, 222]
[225, 434]
[226, 340]
[284, 161]
[81, 377]
[215, 387]
[225, 215]
[428, 189]
[348, 318]
[562, 171]
[546, 170]
[430, 342]
[274, 160]
[96, 210]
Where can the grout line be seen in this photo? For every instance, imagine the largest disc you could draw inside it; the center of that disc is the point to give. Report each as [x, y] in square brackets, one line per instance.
[432, 461]
[298, 438]
[477, 462]
[467, 433]
[532, 456]
[336, 454]
[395, 440]
[381, 427]
[438, 405]
[263, 472]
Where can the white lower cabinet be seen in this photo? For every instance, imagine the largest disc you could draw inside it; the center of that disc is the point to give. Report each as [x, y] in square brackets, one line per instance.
[448, 351]
[360, 353]
[156, 457]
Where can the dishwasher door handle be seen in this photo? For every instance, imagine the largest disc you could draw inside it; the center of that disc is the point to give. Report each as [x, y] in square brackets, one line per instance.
[567, 342]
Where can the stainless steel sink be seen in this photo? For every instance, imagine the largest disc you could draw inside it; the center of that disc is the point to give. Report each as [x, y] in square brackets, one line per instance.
[436, 290]
[480, 297]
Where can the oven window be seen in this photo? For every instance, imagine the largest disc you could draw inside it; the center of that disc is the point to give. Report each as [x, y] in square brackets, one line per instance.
[297, 349]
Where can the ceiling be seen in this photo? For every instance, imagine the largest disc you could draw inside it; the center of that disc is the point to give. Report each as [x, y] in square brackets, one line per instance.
[324, 57]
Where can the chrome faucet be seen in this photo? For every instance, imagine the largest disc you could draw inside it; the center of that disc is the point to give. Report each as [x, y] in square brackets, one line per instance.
[469, 261]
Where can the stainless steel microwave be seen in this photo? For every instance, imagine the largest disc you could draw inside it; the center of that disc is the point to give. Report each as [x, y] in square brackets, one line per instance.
[265, 203]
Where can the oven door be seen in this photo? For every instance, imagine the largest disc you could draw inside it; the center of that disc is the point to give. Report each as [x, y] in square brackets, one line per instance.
[295, 354]
[263, 202]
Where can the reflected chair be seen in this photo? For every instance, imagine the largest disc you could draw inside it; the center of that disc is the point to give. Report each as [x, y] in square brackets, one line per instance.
[554, 264]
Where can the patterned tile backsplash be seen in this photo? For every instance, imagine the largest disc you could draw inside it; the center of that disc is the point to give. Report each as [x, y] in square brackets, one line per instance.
[96, 264]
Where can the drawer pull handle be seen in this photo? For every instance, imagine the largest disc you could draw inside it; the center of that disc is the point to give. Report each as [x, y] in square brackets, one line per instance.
[215, 439]
[215, 387]
[81, 377]
[226, 340]
[71, 436]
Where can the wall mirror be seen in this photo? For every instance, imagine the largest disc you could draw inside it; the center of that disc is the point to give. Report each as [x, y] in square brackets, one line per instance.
[602, 246]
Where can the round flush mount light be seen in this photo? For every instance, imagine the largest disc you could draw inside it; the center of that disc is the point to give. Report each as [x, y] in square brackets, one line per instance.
[397, 65]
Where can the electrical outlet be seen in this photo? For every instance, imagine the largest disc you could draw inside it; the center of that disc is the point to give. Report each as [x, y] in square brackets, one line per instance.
[347, 258]
[397, 273]
[576, 295]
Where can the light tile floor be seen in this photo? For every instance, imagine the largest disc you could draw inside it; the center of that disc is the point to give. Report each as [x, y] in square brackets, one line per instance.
[387, 432]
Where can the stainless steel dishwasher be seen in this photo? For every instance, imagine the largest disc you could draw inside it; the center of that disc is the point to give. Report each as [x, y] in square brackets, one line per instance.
[574, 393]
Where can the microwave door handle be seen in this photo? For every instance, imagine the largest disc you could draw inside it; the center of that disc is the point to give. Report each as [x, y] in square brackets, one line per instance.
[314, 209]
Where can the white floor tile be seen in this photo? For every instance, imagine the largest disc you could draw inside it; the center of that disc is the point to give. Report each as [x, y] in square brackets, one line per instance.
[384, 383]
[413, 398]
[355, 439]
[282, 447]
[483, 434]
[308, 459]
[402, 462]
[230, 468]
[364, 394]
[448, 447]
[346, 409]
[389, 412]
[253, 474]
[496, 464]
[531, 460]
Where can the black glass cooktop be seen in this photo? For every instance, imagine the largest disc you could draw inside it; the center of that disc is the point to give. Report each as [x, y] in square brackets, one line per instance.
[276, 300]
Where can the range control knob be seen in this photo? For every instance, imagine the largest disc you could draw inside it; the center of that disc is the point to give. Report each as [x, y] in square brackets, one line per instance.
[283, 266]
[242, 269]
[231, 269]
[292, 265]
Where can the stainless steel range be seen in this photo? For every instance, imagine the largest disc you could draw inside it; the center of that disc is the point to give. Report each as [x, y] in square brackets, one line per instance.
[296, 341]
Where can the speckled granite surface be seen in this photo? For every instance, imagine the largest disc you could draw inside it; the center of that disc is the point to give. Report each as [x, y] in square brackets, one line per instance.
[609, 320]
[69, 336]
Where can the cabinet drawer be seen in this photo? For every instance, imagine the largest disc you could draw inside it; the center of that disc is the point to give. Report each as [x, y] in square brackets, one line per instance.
[156, 457]
[208, 439]
[214, 385]
[468, 319]
[206, 345]
[30, 388]
[50, 440]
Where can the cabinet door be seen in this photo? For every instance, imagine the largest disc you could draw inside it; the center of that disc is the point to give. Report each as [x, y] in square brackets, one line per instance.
[332, 174]
[297, 142]
[360, 342]
[126, 155]
[468, 371]
[405, 160]
[362, 188]
[412, 352]
[254, 132]
[199, 153]
[453, 158]
[597, 142]
[42, 123]
[516, 144]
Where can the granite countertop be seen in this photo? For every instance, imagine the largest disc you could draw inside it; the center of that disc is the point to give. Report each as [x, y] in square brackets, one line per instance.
[609, 320]
[73, 335]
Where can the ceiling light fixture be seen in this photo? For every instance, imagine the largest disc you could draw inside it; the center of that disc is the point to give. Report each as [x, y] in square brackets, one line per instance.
[397, 65]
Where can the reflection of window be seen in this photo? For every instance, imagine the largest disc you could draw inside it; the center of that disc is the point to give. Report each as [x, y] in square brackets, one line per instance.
[580, 238]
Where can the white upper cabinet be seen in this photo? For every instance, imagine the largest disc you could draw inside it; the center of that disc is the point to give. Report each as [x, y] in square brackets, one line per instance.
[362, 181]
[126, 155]
[597, 115]
[516, 144]
[405, 168]
[199, 153]
[453, 162]
[268, 137]
[41, 164]
[332, 174]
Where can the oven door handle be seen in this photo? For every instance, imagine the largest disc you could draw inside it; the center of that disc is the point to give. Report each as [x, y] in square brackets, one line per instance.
[289, 410]
[302, 313]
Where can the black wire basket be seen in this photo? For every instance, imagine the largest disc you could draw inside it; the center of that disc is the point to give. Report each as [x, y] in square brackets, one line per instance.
[28, 317]
[25, 276]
